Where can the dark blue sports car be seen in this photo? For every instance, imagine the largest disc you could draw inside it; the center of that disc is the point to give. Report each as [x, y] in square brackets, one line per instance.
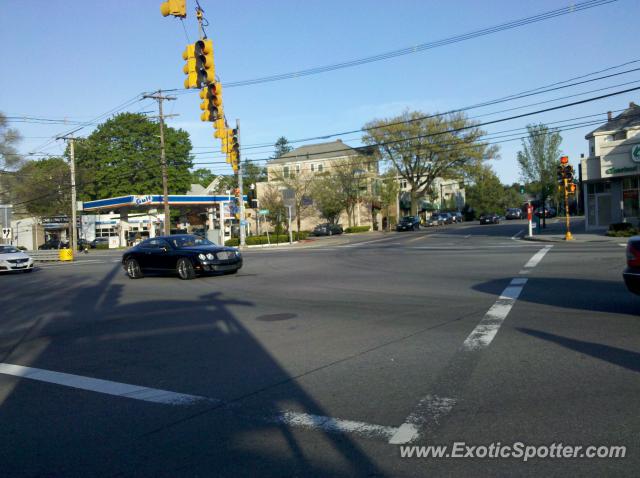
[184, 254]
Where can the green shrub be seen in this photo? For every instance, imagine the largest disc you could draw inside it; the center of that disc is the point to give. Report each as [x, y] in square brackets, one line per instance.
[102, 246]
[353, 229]
[233, 242]
[628, 232]
[620, 226]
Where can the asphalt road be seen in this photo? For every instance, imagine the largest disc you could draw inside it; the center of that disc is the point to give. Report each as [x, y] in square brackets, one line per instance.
[324, 359]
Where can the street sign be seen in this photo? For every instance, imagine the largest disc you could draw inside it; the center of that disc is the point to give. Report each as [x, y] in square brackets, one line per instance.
[6, 233]
[263, 211]
[635, 153]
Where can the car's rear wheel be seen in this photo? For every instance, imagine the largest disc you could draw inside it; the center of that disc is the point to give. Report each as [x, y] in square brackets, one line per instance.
[185, 269]
[133, 269]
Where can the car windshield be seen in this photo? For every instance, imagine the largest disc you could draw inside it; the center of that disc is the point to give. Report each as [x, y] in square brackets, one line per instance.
[189, 241]
[8, 250]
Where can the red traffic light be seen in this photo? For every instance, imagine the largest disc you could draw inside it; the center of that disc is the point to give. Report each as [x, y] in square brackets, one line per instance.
[564, 159]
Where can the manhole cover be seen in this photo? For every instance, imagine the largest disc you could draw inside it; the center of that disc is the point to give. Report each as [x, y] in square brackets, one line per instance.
[275, 317]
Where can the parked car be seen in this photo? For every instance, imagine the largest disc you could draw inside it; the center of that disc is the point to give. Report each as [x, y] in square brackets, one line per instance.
[514, 213]
[631, 274]
[445, 217]
[327, 229]
[53, 244]
[457, 216]
[433, 220]
[99, 241]
[185, 254]
[408, 223]
[13, 259]
[548, 212]
[489, 218]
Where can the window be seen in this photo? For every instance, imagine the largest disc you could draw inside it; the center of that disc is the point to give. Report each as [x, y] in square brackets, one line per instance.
[313, 167]
[319, 168]
[297, 168]
[285, 171]
[620, 136]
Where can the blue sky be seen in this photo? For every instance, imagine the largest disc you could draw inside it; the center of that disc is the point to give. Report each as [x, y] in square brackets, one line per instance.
[78, 59]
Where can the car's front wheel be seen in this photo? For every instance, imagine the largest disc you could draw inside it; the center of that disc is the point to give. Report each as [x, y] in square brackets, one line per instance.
[133, 269]
[185, 269]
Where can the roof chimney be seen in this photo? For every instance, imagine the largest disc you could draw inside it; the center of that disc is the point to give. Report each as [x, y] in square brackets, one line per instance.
[632, 104]
[339, 140]
[609, 117]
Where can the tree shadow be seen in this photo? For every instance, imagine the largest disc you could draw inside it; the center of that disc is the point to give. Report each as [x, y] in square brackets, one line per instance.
[116, 329]
[617, 356]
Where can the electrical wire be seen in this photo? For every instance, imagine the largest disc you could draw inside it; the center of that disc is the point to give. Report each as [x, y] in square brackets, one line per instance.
[423, 46]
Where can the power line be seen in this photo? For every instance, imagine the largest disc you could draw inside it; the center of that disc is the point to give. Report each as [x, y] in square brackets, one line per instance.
[422, 46]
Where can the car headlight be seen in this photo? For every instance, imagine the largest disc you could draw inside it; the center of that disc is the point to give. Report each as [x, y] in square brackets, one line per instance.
[202, 257]
[210, 256]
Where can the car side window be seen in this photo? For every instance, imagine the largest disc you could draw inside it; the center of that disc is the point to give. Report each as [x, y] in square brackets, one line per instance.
[152, 244]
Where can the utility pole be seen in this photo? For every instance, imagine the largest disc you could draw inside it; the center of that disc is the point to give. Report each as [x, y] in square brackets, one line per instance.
[163, 160]
[73, 228]
[241, 200]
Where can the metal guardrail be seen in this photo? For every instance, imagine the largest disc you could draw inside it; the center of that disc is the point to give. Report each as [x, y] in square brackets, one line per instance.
[44, 256]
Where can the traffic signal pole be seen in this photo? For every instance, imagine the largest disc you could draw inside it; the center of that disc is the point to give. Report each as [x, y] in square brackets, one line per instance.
[73, 228]
[241, 199]
[567, 236]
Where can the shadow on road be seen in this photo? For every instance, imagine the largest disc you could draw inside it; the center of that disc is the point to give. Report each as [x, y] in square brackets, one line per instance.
[581, 294]
[90, 327]
[617, 356]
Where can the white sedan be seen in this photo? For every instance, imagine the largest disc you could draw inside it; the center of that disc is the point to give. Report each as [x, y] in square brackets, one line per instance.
[13, 259]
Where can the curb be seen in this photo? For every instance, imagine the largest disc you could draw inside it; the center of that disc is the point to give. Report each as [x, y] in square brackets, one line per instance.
[558, 239]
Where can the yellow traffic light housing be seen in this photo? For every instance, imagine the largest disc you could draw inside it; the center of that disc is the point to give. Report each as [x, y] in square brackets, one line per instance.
[211, 102]
[204, 62]
[190, 68]
[177, 8]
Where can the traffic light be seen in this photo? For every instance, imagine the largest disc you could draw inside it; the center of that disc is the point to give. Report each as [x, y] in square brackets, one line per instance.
[571, 188]
[177, 8]
[211, 102]
[219, 127]
[522, 189]
[204, 62]
[560, 174]
[190, 68]
[568, 173]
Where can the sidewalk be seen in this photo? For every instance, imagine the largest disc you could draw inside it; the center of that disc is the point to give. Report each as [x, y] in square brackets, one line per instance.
[555, 232]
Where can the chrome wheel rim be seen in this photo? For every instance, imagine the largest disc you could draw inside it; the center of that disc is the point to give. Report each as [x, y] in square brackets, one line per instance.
[132, 269]
[182, 269]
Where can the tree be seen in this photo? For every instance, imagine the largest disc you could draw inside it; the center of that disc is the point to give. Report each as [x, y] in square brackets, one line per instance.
[202, 176]
[297, 191]
[252, 173]
[486, 194]
[43, 187]
[282, 147]
[328, 201]
[349, 177]
[539, 159]
[271, 199]
[388, 189]
[423, 148]
[9, 138]
[122, 156]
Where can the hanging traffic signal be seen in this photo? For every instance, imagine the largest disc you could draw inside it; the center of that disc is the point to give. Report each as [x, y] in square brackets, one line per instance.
[568, 173]
[190, 68]
[571, 188]
[219, 128]
[177, 8]
[204, 62]
[211, 102]
[560, 174]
